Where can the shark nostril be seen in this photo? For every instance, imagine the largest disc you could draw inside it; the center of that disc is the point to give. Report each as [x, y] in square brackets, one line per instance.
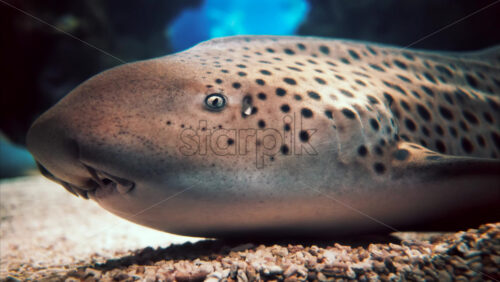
[103, 179]
[106, 181]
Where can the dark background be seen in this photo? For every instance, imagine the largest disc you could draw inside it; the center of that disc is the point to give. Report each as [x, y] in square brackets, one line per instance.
[40, 64]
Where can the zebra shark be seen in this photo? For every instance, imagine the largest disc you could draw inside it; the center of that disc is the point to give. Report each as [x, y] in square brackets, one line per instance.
[270, 135]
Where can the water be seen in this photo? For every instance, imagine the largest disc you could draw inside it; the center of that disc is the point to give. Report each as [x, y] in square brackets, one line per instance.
[218, 18]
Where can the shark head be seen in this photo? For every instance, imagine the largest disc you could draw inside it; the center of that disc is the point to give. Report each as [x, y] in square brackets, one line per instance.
[258, 134]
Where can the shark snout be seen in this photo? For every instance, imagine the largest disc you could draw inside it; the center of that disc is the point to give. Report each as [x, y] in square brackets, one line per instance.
[57, 153]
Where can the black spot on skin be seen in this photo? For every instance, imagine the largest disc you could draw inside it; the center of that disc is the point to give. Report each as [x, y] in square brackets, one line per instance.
[470, 117]
[360, 82]
[236, 85]
[285, 108]
[395, 87]
[346, 93]
[488, 117]
[467, 145]
[389, 98]
[306, 113]
[362, 151]
[440, 146]
[496, 81]
[372, 100]
[261, 124]
[329, 114]
[410, 125]
[404, 105]
[241, 66]
[403, 78]
[348, 113]
[379, 151]
[262, 96]
[230, 141]
[425, 131]
[286, 127]
[371, 50]
[448, 98]
[444, 70]
[423, 143]
[285, 149]
[345, 61]
[260, 81]
[324, 49]
[408, 56]
[374, 124]
[297, 97]
[339, 77]
[427, 90]
[423, 112]
[224, 71]
[353, 54]
[320, 80]
[480, 140]
[303, 136]
[400, 64]
[301, 46]
[254, 110]
[289, 51]
[270, 50]
[445, 113]
[294, 68]
[379, 168]
[218, 81]
[377, 67]
[496, 139]
[493, 105]
[265, 72]
[463, 126]
[429, 77]
[401, 154]
[461, 96]
[439, 130]
[314, 95]
[471, 80]
[415, 94]
[240, 73]
[453, 131]
[280, 92]
[290, 81]
[312, 62]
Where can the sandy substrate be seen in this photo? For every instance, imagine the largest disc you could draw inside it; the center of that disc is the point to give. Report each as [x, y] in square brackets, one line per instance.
[48, 234]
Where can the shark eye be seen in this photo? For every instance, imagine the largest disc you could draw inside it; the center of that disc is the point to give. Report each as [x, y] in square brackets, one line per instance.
[215, 102]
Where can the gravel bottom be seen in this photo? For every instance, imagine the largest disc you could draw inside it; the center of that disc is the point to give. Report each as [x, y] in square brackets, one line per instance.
[472, 255]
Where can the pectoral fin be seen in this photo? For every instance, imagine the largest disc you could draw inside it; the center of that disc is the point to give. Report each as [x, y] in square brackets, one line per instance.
[462, 191]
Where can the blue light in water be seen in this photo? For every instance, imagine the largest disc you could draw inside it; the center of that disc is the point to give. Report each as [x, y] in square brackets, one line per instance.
[217, 18]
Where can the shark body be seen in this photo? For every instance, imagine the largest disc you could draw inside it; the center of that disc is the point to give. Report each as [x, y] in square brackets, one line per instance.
[284, 135]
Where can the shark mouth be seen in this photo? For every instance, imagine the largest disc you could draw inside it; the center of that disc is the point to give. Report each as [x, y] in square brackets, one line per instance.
[98, 183]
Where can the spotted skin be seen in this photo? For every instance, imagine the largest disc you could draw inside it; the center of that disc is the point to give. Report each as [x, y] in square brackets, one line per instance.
[370, 134]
